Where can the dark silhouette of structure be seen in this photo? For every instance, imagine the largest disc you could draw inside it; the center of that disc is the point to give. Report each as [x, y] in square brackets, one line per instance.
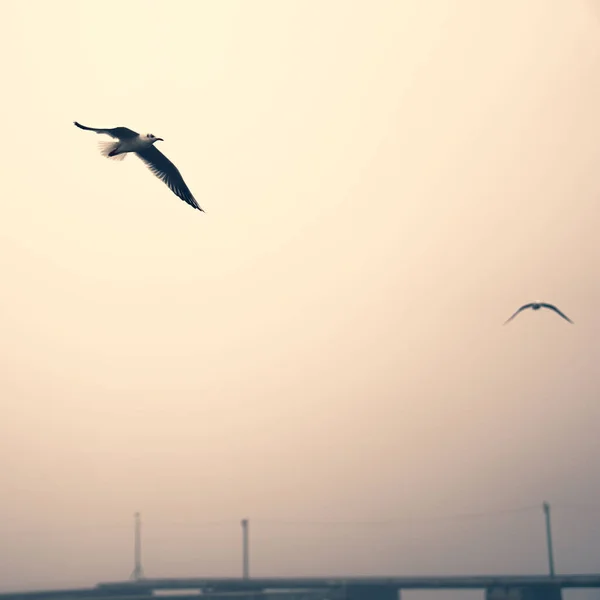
[496, 587]
[503, 587]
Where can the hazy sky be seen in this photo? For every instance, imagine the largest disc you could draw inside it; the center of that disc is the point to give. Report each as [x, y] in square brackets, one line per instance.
[385, 182]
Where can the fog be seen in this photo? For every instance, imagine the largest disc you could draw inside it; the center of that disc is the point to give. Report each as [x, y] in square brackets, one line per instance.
[322, 351]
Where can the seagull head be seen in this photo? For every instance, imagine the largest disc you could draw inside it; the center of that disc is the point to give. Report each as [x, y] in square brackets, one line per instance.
[152, 138]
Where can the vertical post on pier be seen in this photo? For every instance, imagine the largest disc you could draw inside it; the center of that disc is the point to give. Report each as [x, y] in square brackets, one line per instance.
[245, 551]
[138, 571]
[549, 539]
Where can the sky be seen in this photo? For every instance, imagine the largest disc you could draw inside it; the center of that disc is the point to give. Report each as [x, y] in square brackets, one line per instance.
[323, 349]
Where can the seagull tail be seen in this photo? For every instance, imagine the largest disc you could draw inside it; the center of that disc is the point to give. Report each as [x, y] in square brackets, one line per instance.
[107, 146]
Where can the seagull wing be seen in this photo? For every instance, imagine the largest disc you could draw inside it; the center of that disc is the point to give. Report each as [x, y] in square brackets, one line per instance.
[120, 133]
[517, 312]
[165, 170]
[552, 307]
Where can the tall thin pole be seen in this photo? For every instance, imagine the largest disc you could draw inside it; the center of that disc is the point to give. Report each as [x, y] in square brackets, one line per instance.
[245, 550]
[549, 539]
[138, 571]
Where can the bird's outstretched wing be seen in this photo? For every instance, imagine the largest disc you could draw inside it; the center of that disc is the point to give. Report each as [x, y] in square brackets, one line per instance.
[552, 307]
[165, 170]
[121, 133]
[518, 311]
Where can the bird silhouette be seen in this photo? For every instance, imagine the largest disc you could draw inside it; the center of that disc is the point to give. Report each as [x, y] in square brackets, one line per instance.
[537, 306]
[143, 146]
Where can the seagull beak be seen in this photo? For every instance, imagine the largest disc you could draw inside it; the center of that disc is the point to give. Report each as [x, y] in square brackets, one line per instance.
[159, 140]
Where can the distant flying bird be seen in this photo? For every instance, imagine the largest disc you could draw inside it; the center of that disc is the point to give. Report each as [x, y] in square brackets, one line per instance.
[155, 160]
[537, 306]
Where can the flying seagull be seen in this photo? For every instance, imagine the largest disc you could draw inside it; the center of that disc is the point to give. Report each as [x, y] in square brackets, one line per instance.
[537, 306]
[155, 160]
